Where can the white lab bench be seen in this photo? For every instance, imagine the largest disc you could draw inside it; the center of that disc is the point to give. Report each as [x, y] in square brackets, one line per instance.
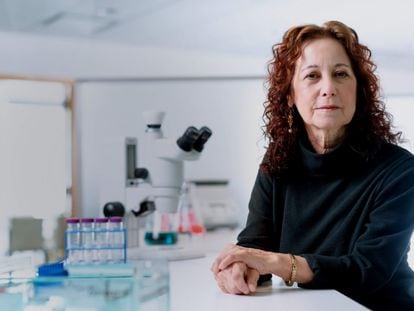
[192, 287]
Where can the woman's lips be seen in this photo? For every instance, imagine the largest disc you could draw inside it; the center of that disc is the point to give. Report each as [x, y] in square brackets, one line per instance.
[328, 107]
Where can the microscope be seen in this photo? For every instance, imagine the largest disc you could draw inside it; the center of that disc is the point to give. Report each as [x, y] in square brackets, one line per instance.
[153, 181]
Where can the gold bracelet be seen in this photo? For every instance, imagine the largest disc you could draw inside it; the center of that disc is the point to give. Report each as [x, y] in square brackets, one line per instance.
[293, 271]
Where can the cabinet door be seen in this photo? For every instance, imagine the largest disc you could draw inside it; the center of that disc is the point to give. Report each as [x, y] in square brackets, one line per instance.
[34, 151]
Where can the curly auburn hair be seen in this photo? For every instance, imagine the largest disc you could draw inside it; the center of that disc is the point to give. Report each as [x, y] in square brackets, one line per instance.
[370, 126]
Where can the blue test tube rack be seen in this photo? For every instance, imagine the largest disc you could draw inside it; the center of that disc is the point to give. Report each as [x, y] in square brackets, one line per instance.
[87, 241]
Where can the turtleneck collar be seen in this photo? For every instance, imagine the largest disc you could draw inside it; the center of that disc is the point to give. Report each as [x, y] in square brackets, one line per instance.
[339, 161]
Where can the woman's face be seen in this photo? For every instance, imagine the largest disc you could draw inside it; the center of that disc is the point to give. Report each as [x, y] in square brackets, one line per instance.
[324, 86]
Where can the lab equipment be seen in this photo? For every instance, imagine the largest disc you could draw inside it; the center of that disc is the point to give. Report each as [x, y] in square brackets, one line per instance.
[153, 181]
[101, 240]
[214, 203]
[87, 235]
[190, 222]
[164, 168]
[116, 239]
[142, 285]
[101, 253]
[162, 228]
[114, 209]
[52, 269]
[72, 240]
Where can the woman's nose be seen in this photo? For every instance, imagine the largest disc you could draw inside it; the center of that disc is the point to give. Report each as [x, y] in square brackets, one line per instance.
[329, 94]
[328, 88]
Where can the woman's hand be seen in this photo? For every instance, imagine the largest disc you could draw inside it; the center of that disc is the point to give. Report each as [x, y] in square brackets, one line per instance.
[237, 279]
[262, 261]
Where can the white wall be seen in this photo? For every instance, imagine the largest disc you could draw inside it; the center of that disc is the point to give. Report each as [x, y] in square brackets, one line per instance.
[402, 110]
[49, 56]
[81, 58]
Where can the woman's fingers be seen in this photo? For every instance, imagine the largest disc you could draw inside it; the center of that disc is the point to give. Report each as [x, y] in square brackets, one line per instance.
[215, 266]
[232, 279]
[226, 283]
[231, 257]
[222, 287]
[239, 272]
[260, 260]
[237, 269]
[235, 279]
[251, 279]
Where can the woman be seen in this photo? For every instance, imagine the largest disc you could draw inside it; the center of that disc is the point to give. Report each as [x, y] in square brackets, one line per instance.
[333, 202]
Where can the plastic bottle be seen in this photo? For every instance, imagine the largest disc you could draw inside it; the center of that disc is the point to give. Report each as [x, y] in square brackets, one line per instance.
[101, 240]
[116, 239]
[87, 234]
[72, 237]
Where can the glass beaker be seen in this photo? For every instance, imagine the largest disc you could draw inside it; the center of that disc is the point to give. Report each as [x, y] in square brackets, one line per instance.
[162, 228]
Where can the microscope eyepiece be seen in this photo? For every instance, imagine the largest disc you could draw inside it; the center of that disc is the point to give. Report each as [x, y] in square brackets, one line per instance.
[205, 134]
[187, 140]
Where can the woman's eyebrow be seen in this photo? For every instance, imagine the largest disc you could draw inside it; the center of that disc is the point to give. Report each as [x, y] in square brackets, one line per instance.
[316, 66]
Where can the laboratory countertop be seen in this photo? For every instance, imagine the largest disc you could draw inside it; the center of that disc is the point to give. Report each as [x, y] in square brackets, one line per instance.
[187, 284]
[192, 287]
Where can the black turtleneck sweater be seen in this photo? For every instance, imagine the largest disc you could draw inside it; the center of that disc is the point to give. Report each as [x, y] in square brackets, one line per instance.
[351, 219]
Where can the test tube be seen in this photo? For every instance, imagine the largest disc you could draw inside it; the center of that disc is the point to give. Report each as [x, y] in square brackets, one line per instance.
[101, 240]
[72, 240]
[116, 239]
[86, 228]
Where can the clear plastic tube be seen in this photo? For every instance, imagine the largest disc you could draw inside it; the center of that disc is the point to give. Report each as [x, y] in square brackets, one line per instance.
[116, 239]
[101, 242]
[87, 237]
[72, 237]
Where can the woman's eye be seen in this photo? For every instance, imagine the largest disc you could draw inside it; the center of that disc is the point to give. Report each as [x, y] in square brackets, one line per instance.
[341, 74]
[311, 76]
